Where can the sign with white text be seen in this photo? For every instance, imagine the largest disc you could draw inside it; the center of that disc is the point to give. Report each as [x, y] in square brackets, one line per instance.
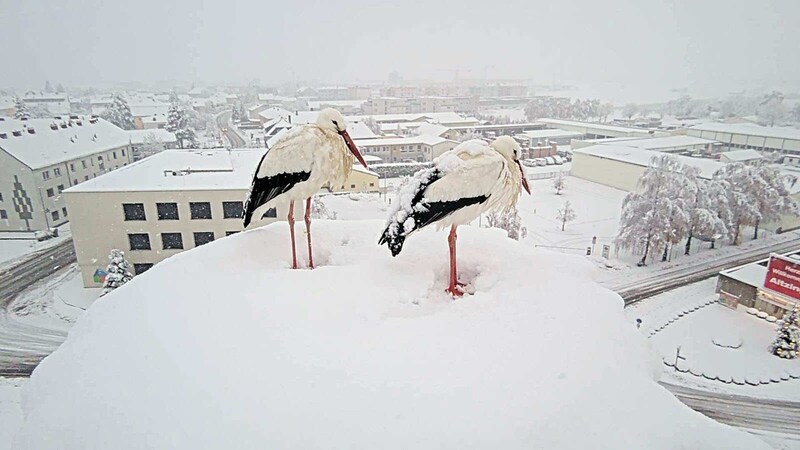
[783, 277]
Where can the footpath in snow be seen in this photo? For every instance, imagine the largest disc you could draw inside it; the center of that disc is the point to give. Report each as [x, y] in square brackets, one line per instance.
[223, 347]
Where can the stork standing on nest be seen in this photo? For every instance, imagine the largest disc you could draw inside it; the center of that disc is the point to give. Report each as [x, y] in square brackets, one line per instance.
[298, 165]
[464, 183]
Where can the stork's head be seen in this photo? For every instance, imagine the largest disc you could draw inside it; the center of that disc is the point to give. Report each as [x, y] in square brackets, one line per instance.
[332, 120]
[511, 151]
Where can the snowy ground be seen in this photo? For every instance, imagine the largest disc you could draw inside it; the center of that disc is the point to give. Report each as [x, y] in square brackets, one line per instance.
[716, 342]
[55, 301]
[10, 409]
[16, 245]
[366, 351]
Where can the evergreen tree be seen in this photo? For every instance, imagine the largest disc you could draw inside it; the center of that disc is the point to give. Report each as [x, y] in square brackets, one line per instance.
[178, 124]
[60, 88]
[559, 183]
[787, 344]
[118, 272]
[48, 87]
[21, 109]
[565, 214]
[119, 113]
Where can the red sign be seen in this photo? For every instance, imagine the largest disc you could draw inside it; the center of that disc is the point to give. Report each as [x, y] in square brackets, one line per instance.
[783, 277]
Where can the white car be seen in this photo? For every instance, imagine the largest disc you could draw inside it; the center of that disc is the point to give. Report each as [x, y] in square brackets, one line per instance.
[550, 160]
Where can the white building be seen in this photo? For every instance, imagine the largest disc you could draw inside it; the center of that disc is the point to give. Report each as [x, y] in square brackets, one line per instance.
[736, 136]
[406, 105]
[151, 141]
[39, 158]
[600, 130]
[665, 144]
[404, 149]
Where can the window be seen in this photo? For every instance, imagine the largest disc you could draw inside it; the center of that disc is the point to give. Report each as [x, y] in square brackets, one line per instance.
[270, 213]
[1, 197]
[50, 192]
[75, 181]
[83, 163]
[92, 161]
[64, 211]
[123, 152]
[228, 233]
[232, 210]
[72, 167]
[200, 210]
[100, 158]
[55, 215]
[134, 211]
[171, 241]
[115, 154]
[60, 188]
[371, 184]
[203, 237]
[141, 268]
[57, 171]
[3, 214]
[86, 178]
[352, 186]
[167, 211]
[139, 241]
[46, 175]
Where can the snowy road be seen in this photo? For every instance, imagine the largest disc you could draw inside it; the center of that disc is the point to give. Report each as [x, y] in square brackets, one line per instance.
[23, 345]
[740, 411]
[635, 288]
[224, 123]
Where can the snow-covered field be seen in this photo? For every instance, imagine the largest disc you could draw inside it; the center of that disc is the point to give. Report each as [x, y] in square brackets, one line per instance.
[716, 342]
[364, 352]
[10, 409]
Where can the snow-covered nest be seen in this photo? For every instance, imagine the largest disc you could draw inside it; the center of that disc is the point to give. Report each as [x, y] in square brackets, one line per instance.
[223, 347]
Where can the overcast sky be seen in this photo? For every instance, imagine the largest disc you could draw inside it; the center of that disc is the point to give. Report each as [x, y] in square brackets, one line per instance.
[720, 44]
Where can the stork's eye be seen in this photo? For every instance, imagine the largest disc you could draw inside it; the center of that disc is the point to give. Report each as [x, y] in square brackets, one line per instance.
[335, 122]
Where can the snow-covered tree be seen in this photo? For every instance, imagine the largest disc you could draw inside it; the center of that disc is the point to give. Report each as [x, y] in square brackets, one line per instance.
[509, 220]
[48, 87]
[60, 88]
[605, 110]
[119, 113]
[655, 214]
[236, 114]
[320, 211]
[630, 110]
[787, 343]
[468, 136]
[372, 124]
[795, 113]
[150, 146]
[705, 207]
[772, 195]
[772, 109]
[178, 122]
[565, 214]
[559, 182]
[21, 109]
[117, 273]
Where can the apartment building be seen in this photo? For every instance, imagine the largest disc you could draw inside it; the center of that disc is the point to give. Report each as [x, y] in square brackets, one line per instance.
[406, 149]
[40, 158]
[409, 105]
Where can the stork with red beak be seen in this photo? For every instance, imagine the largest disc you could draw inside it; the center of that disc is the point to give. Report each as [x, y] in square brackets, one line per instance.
[298, 165]
[464, 183]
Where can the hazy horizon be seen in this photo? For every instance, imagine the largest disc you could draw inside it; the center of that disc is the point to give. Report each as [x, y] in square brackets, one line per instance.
[703, 47]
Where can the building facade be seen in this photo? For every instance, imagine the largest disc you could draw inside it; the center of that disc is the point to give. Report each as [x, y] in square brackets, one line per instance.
[406, 149]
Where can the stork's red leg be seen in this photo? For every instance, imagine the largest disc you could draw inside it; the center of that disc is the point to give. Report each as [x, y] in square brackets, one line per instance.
[308, 233]
[291, 232]
[453, 289]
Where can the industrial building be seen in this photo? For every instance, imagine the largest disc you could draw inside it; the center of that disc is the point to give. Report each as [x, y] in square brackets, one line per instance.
[40, 158]
[735, 136]
[678, 144]
[771, 285]
[593, 130]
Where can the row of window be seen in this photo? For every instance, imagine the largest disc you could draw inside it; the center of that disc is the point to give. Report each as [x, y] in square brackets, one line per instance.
[171, 241]
[169, 211]
[57, 170]
[55, 214]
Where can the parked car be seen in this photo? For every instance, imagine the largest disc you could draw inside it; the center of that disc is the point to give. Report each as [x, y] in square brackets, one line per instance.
[550, 160]
[558, 159]
[540, 162]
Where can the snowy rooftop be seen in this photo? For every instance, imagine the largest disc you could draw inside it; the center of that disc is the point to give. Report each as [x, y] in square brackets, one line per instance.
[423, 139]
[317, 104]
[158, 134]
[550, 133]
[752, 274]
[180, 170]
[656, 143]
[68, 141]
[749, 129]
[742, 155]
[597, 126]
[641, 157]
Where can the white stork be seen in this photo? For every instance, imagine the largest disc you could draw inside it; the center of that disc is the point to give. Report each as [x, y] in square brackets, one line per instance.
[465, 182]
[298, 165]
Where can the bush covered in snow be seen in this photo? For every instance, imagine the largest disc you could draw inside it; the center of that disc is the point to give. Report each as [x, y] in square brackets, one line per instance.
[787, 344]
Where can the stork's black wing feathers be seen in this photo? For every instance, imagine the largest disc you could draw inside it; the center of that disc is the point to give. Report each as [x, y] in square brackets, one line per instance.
[424, 213]
[267, 188]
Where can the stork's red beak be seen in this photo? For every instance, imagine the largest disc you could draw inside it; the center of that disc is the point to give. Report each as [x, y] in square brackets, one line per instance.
[524, 180]
[353, 147]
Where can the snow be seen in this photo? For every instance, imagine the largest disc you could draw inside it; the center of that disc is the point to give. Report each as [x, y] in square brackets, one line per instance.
[752, 274]
[47, 147]
[656, 143]
[691, 317]
[411, 140]
[594, 126]
[742, 155]
[14, 246]
[642, 157]
[550, 133]
[749, 129]
[138, 137]
[209, 169]
[10, 409]
[366, 351]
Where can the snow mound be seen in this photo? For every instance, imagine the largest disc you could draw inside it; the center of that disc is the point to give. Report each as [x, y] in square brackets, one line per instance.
[727, 339]
[224, 347]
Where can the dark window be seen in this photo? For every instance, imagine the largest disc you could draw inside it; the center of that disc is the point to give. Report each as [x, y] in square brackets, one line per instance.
[83, 163]
[270, 213]
[167, 211]
[3, 214]
[100, 158]
[60, 188]
[203, 237]
[134, 211]
[142, 268]
[50, 192]
[171, 241]
[115, 154]
[55, 215]
[1, 197]
[232, 210]
[64, 211]
[123, 152]
[371, 184]
[228, 233]
[200, 210]
[57, 172]
[352, 186]
[74, 181]
[139, 241]
[86, 178]
[72, 167]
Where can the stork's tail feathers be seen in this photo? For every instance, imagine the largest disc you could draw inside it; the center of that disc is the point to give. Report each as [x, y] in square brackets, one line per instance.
[393, 239]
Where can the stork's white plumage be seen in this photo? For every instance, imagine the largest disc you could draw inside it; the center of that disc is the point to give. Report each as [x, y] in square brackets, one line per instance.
[298, 165]
[464, 183]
